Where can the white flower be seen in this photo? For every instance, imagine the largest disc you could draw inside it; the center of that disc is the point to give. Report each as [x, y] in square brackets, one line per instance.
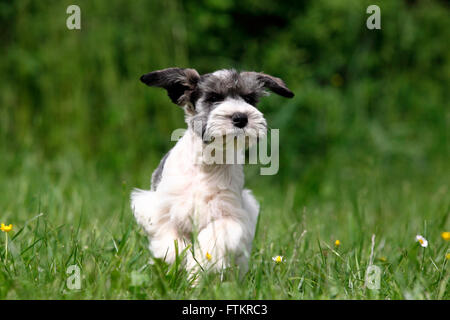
[423, 242]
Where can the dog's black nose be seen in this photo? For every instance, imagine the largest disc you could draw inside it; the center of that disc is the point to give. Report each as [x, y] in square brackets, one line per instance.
[239, 119]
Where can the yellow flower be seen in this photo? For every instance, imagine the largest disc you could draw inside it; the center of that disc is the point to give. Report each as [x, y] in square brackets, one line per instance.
[447, 256]
[6, 228]
[382, 259]
[208, 256]
[445, 235]
[337, 243]
[278, 259]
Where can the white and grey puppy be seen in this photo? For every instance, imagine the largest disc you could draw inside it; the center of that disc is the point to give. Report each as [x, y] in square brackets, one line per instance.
[195, 199]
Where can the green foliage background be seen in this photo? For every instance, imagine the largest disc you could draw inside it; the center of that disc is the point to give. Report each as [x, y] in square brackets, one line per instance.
[370, 117]
[361, 95]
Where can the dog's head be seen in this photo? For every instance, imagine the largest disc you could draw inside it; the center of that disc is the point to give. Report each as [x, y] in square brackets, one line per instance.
[222, 103]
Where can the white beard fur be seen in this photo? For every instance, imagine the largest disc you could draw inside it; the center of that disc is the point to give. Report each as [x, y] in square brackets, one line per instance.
[208, 201]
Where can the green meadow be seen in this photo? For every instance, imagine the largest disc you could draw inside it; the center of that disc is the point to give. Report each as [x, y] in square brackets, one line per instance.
[364, 146]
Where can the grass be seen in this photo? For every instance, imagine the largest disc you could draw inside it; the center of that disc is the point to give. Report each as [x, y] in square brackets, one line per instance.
[66, 213]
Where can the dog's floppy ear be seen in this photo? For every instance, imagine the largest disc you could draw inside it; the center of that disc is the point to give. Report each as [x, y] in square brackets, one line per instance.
[179, 83]
[274, 84]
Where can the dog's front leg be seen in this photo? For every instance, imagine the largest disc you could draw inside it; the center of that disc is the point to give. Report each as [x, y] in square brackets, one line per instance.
[166, 244]
[219, 244]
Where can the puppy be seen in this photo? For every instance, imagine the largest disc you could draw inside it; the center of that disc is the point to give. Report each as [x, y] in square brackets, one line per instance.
[195, 204]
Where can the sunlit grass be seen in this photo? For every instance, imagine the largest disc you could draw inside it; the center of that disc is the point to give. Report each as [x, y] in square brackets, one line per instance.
[62, 218]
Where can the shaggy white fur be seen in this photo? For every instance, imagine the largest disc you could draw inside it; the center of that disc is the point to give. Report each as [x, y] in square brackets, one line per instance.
[195, 198]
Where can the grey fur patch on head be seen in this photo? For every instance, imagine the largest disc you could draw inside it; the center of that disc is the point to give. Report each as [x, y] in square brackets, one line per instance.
[229, 83]
[200, 94]
[185, 85]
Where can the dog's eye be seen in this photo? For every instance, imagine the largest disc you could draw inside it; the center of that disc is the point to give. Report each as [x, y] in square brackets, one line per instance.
[214, 97]
[249, 98]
